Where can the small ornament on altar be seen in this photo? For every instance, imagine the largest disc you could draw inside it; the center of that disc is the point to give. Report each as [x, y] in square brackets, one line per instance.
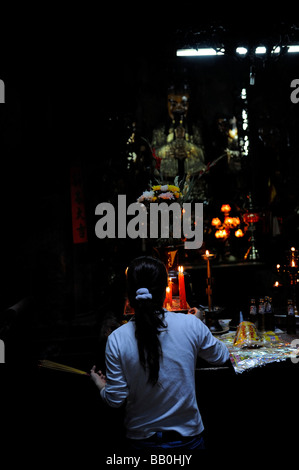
[293, 272]
[251, 218]
[207, 256]
[286, 277]
[247, 336]
[293, 258]
[278, 273]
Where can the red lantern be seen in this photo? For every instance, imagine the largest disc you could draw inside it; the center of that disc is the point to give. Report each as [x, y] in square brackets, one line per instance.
[251, 218]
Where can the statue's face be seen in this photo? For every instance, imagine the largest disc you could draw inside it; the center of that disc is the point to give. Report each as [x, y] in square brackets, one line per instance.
[178, 104]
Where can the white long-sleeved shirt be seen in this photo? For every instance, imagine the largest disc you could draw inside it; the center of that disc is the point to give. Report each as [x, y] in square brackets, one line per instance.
[171, 404]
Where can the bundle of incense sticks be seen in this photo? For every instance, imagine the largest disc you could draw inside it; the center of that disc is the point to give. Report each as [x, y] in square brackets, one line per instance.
[63, 368]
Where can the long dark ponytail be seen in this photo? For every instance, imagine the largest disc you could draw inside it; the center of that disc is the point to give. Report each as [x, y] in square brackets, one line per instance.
[148, 273]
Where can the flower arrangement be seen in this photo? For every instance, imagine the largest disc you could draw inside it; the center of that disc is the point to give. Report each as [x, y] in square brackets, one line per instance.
[159, 193]
[168, 193]
[180, 191]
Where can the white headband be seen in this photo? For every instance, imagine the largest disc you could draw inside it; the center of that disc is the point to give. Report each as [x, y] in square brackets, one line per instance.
[143, 293]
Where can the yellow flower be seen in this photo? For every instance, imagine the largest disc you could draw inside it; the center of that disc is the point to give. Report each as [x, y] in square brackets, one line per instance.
[174, 189]
[156, 188]
[177, 195]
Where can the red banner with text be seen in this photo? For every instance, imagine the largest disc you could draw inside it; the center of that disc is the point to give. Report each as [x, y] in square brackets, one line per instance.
[78, 206]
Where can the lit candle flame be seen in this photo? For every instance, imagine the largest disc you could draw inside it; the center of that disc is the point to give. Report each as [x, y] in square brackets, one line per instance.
[239, 233]
[216, 222]
[225, 208]
[221, 233]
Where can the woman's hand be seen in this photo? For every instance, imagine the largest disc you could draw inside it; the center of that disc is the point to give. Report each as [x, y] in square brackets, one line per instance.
[98, 377]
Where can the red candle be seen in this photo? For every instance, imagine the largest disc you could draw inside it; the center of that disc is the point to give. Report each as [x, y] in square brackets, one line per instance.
[209, 281]
[167, 297]
[170, 292]
[182, 291]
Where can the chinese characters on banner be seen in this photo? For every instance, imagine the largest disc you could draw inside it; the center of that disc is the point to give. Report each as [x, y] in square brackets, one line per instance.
[78, 207]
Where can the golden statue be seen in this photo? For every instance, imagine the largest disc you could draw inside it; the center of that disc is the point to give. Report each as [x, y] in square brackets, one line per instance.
[178, 151]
